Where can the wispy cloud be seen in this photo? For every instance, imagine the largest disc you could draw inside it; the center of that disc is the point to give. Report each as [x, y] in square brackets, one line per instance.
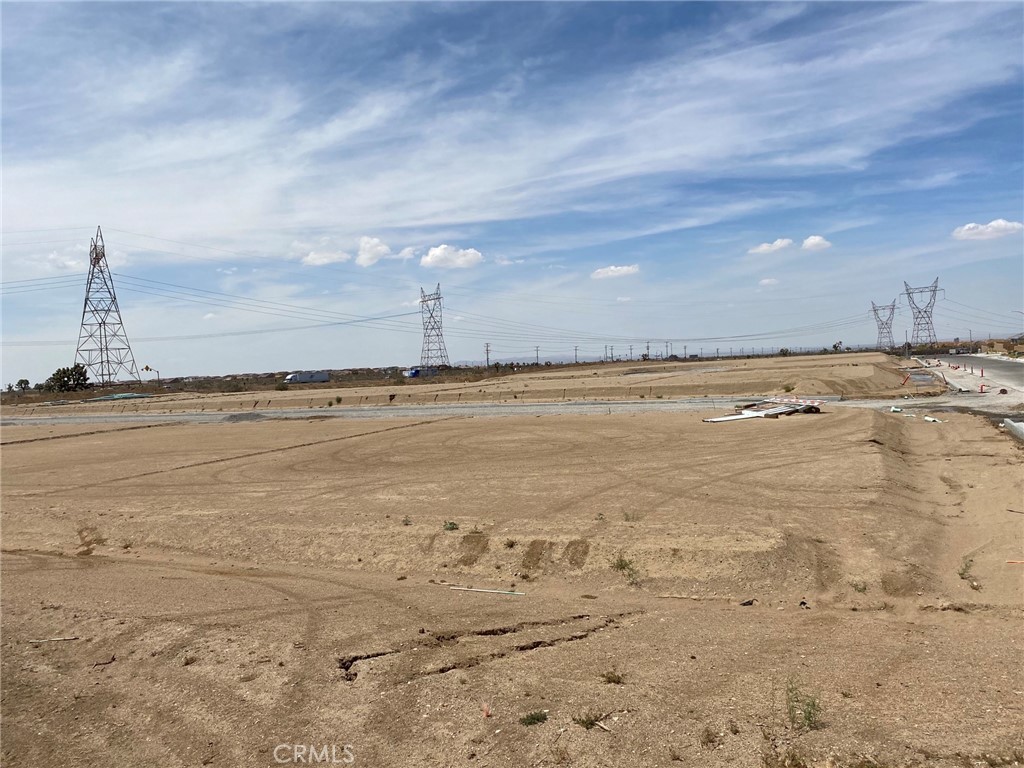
[614, 271]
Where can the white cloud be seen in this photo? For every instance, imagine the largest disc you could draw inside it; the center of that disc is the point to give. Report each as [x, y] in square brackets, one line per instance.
[371, 250]
[990, 231]
[768, 281]
[816, 243]
[320, 258]
[210, 316]
[624, 298]
[778, 245]
[613, 271]
[450, 257]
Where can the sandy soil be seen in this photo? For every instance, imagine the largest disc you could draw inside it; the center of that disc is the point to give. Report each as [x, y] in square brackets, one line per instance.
[236, 587]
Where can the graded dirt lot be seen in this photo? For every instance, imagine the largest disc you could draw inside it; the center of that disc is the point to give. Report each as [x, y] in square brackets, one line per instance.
[828, 589]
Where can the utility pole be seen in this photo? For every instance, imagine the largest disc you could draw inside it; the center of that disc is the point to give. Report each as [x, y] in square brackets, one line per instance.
[630, 351]
[684, 351]
[666, 349]
[613, 353]
[576, 354]
[648, 350]
[487, 352]
[605, 358]
[537, 352]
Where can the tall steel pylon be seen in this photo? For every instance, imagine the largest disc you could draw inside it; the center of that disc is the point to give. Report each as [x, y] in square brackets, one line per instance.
[102, 342]
[434, 353]
[924, 330]
[883, 316]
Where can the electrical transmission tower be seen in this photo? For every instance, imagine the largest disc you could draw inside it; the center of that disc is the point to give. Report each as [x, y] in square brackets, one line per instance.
[102, 342]
[883, 317]
[434, 353]
[924, 330]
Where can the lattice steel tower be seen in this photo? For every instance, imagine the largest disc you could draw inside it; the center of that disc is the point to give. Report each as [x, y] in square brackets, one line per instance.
[883, 316]
[102, 342]
[924, 330]
[434, 353]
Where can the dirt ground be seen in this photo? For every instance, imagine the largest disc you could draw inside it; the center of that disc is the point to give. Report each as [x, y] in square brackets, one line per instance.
[817, 590]
[854, 375]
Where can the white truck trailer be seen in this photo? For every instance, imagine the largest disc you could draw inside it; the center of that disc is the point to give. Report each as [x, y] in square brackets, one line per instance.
[307, 377]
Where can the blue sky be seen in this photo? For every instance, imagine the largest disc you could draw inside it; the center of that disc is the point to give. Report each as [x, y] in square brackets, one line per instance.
[717, 174]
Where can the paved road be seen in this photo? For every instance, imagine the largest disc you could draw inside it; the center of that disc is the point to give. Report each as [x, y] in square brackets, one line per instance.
[1002, 371]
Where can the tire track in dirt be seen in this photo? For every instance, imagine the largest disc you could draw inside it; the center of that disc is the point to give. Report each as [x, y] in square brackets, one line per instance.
[250, 455]
[8, 443]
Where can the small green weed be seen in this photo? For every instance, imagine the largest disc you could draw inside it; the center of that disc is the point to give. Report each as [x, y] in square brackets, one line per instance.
[533, 718]
[627, 568]
[613, 677]
[450, 525]
[588, 719]
[804, 710]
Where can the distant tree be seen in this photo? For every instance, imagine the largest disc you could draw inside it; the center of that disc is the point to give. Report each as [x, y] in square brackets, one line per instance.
[68, 379]
[22, 384]
[784, 352]
[10, 387]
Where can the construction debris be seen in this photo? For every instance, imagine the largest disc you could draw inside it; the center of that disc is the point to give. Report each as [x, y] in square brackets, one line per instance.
[772, 408]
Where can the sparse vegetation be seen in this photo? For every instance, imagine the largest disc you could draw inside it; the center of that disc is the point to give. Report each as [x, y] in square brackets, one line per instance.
[337, 399]
[804, 710]
[631, 517]
[859, 586]
[709, 738]
[588, 719]
[533, 718]
[613, 677]
[788, 388]
[281, 387]
[510, 543]
[965, 574]
[406, 520]
[450, 525]
[627, 568]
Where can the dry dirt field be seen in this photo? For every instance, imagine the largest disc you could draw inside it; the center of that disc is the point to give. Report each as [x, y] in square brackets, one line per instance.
[855, 375]
[817, 590]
